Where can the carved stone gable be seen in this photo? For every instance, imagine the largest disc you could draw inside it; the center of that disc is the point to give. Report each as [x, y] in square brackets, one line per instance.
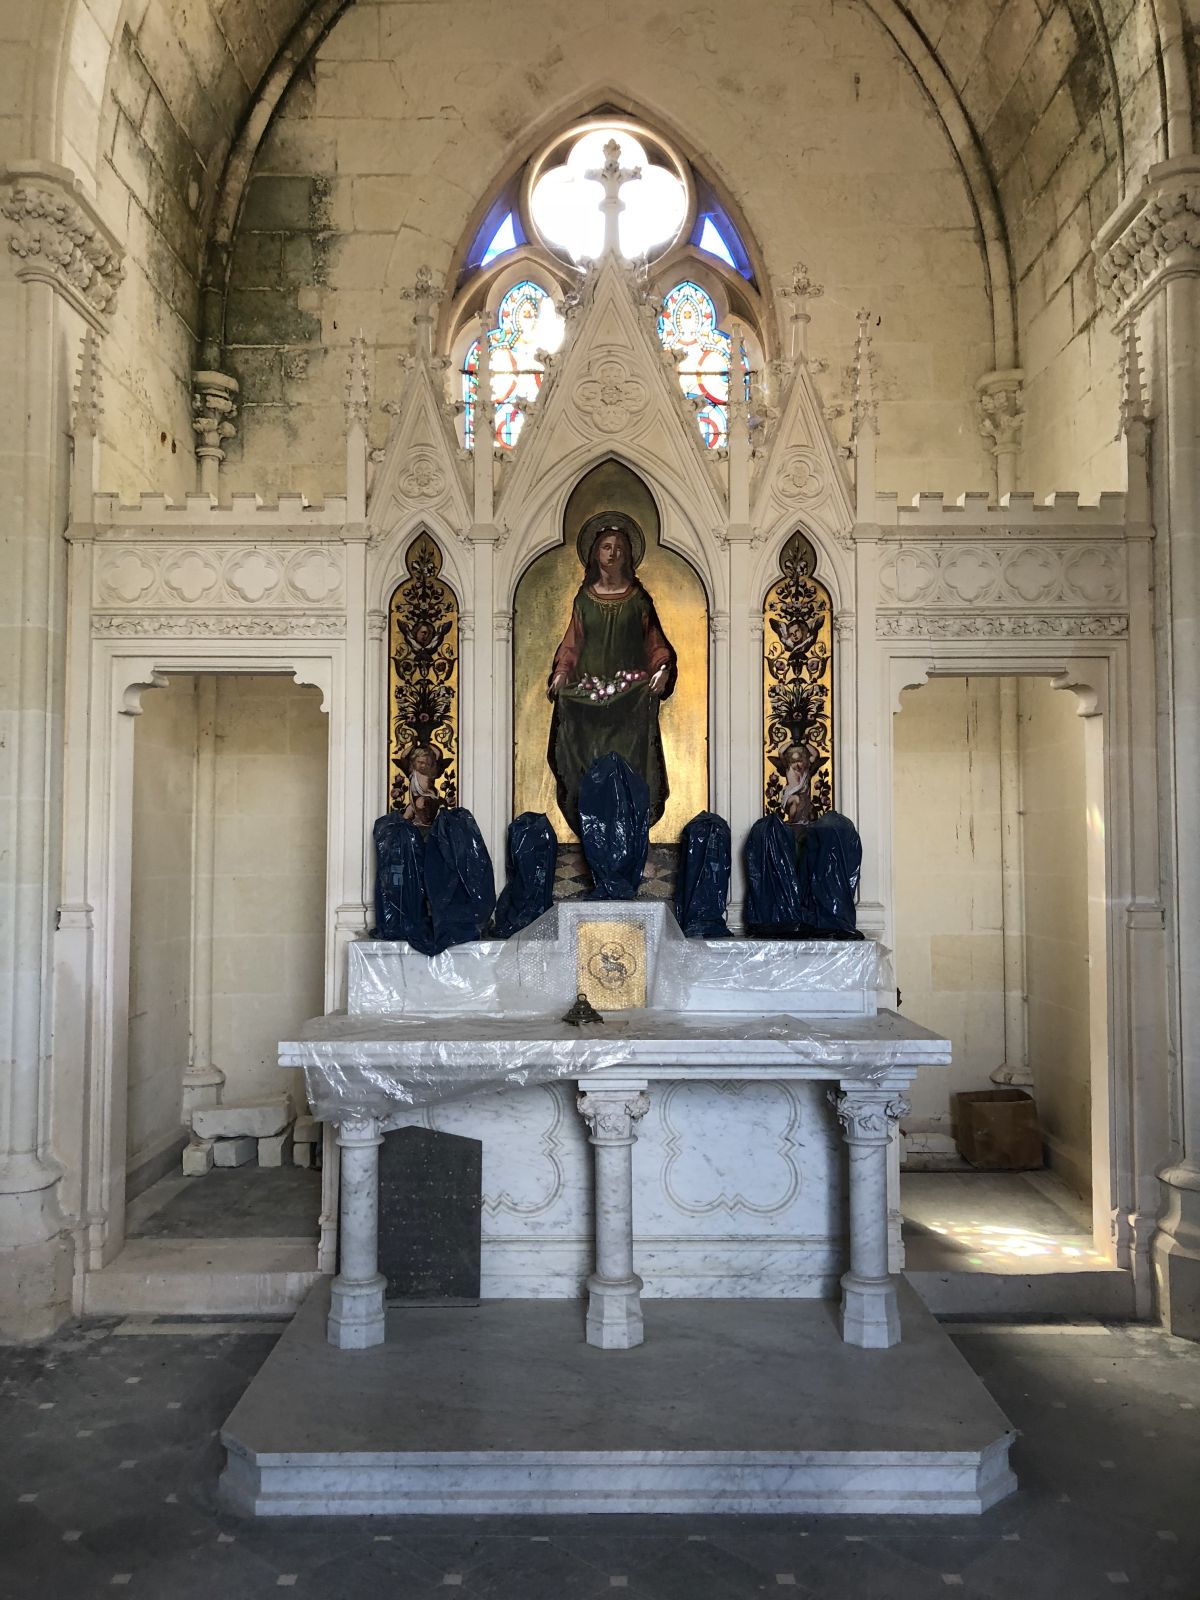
[421, 470]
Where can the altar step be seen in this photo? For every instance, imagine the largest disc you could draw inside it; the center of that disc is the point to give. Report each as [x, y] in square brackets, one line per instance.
[1104, 1292]
[730, 1406]
[204, 1277]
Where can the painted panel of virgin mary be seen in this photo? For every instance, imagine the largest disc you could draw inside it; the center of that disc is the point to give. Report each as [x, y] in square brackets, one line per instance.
[617, 661]
[611, 670]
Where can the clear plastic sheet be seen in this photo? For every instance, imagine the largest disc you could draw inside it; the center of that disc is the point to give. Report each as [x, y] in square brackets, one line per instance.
[535, 973]
[380, 1067]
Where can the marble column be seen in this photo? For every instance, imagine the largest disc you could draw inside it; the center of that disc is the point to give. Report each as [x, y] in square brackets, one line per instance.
[870, 1317]
[356, 1317]
[614, 1316]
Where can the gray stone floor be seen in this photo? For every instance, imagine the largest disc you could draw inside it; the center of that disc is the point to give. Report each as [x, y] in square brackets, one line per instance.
[995, 1222]
[109, 1460]
[230, 1203]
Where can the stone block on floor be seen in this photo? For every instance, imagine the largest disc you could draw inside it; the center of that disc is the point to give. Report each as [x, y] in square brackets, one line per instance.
[197, 1158]
[275, 1151]
[307, 1130]
[235, 1152]
[256, 1119]
[302, 1155]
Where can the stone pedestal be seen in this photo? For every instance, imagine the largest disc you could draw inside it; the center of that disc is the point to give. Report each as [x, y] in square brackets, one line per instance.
[614, 1316]
[870, 1316]
[356, 1298]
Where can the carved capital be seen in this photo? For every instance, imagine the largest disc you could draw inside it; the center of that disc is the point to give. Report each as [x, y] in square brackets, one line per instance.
[866, 1116]
[502, 626]
[1155, 237]
[57, 237]
[610, 1115]
[214, 407]
[358, 1133]
[376, 626]
[1001, 401]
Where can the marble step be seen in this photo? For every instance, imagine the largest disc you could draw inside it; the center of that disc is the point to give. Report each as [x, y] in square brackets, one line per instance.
[204, 1277]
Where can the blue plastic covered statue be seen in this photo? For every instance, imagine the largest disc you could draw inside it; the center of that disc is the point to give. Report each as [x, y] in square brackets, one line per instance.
[458, 878]
[401, 909]
[702, 887]
[829, 860]
[774, 906]
[529, 892]
[614, 818]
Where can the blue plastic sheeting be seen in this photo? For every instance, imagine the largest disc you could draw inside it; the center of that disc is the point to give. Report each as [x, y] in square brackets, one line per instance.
[401, 909]
[458, 879]
[773, 900]
[529, 892]
[614, 826]
[702, 887]
[828, 864]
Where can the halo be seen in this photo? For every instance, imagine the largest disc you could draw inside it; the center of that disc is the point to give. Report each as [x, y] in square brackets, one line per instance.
[608, 522]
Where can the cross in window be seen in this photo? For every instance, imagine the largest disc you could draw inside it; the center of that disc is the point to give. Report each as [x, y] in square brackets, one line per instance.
[612, 176]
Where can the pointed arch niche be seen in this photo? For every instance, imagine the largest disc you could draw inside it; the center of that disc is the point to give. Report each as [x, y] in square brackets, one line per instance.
[798, 708]
[542, 611]
[423, 681]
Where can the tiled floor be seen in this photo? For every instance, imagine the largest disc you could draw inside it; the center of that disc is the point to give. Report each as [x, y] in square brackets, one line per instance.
[995, 1222]
[109, 1459]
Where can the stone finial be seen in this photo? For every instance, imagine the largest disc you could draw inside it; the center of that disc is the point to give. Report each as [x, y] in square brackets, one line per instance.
[797, 294]
[1001, 398]
[213, 411]
[425, 294]
[864, 405]
[1133, 392]
[612, 177]
[357, 387]
[88, 399]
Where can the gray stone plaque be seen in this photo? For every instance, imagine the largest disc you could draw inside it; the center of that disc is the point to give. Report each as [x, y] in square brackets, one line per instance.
[430, 1209]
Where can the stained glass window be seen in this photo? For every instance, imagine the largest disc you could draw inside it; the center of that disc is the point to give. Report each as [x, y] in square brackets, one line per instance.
[711, 240]
[565, 201]
[688, 328]
[526, 322]
[504, 238]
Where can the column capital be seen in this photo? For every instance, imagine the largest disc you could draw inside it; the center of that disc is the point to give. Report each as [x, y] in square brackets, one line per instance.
[58, 237]
[1152, 237]
[868, 1115]
[358, 1133]
[611, 1113]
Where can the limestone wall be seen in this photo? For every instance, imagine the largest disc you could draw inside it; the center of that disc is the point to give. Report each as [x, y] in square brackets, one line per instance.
[269, 882]
[383, 150]
[160, 931]
[1054, 845]
[949, 954]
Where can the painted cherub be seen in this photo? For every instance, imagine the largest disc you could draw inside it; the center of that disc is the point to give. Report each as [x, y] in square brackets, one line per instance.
[423, 767]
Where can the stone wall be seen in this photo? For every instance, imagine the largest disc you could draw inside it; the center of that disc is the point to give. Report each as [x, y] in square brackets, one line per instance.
[160, 918]
[269, 880]
[397, 131]
[1054, 846]
[949, 955]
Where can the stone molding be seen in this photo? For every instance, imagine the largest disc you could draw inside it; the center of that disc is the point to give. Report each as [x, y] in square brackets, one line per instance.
[958, 573]
[193, 625]
[971, 625]
[59, 238]
[610, 397]
[136, 576]
[1155, 236]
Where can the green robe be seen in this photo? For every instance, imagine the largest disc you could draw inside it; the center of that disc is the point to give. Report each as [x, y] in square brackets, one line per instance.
[608, 654]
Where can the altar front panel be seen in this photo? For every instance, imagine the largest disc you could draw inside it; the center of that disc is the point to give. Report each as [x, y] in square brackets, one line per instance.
[738, 1190]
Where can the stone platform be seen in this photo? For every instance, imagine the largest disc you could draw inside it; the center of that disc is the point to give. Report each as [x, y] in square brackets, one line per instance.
[730, 1406]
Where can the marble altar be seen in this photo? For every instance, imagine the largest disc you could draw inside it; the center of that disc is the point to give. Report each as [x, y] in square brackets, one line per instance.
[740, 1188]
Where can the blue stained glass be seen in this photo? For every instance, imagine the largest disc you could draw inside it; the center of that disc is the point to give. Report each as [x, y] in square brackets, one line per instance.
[504, 238]
[712, 241]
